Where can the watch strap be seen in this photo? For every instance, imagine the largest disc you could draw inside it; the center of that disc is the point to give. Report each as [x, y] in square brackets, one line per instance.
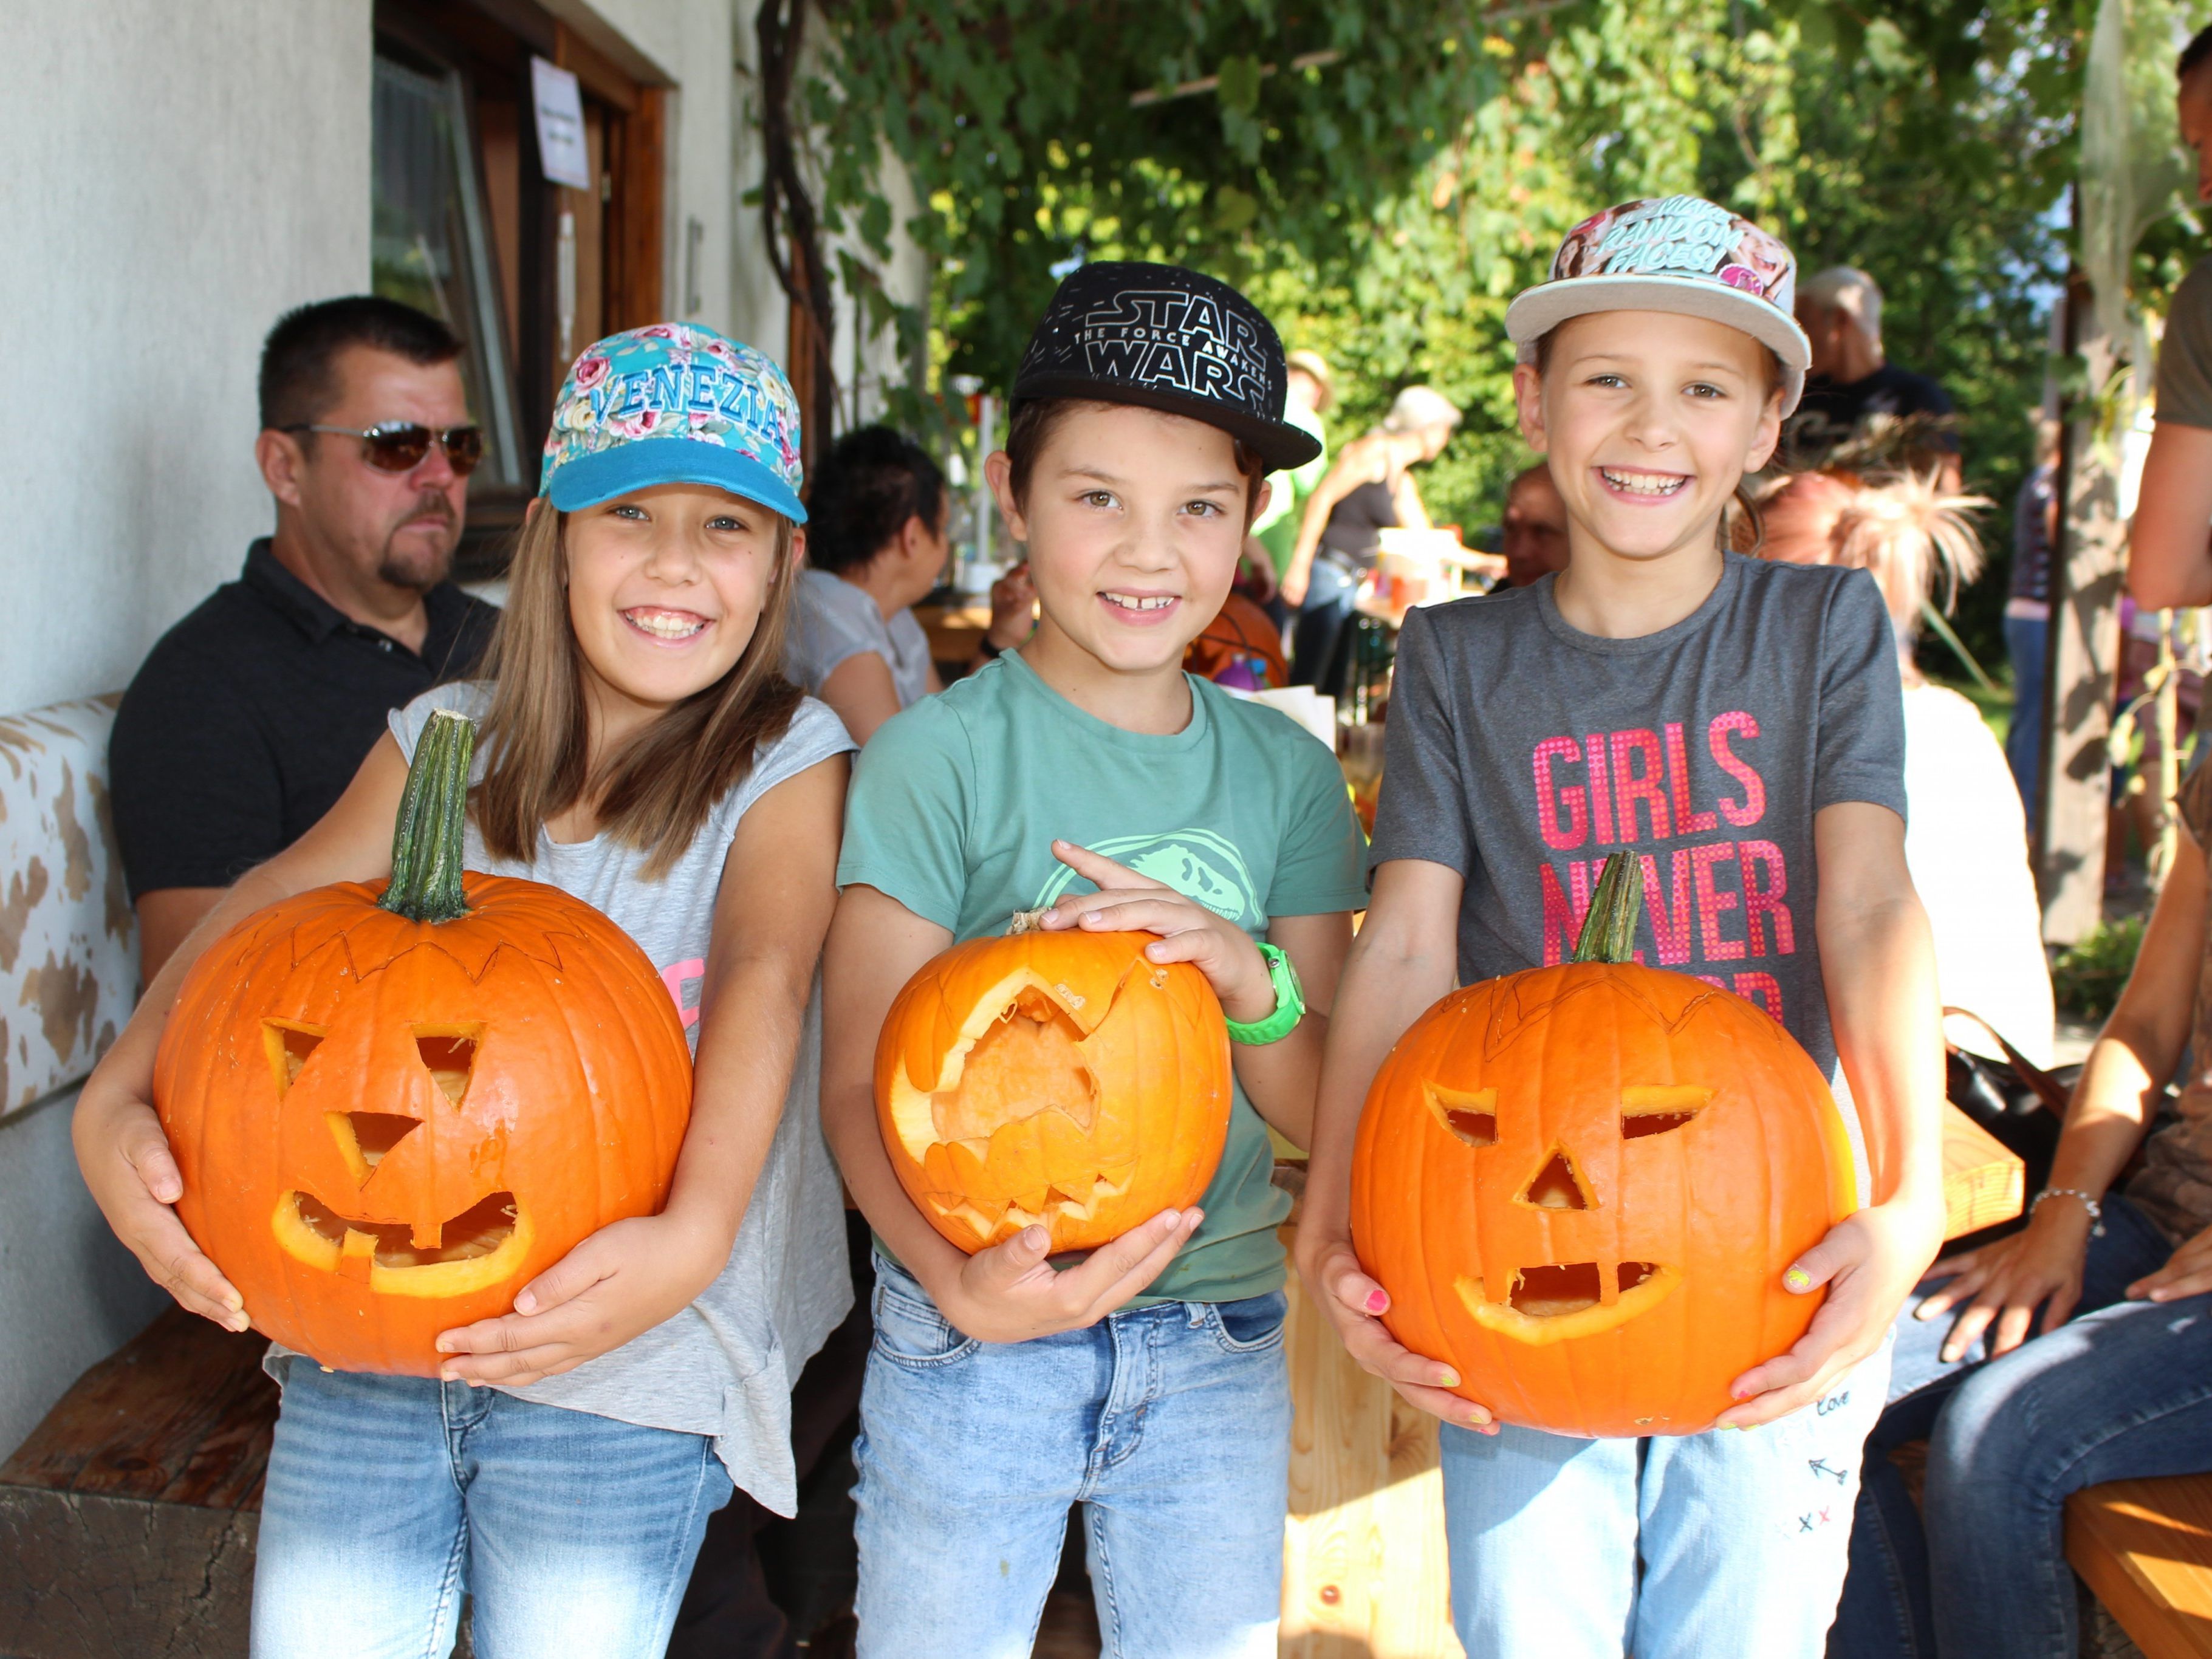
[1290, 1004]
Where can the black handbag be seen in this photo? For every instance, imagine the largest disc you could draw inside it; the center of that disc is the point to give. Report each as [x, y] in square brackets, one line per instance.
[2020, 1104]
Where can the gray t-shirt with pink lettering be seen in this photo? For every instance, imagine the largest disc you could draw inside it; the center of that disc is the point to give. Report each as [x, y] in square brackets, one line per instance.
[1521, 752]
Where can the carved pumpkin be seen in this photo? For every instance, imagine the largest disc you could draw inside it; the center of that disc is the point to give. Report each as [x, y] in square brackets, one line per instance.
[1582, 1185]
[1059, 1078]
[391, 1112]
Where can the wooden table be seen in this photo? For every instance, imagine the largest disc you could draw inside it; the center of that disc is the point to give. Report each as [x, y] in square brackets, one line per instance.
[1364, 1565]
[956, 634]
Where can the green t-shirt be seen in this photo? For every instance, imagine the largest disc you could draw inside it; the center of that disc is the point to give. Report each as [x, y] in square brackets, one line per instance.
[1277, 527]
[954, 807]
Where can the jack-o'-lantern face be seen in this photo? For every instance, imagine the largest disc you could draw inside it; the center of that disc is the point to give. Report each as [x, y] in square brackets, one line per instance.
[402, 1199]
[1582, 1185]
[1546, 1301]
[1057, 1078]
[388, 1127]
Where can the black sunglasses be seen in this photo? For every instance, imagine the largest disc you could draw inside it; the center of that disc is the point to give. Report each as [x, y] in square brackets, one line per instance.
[400, 445]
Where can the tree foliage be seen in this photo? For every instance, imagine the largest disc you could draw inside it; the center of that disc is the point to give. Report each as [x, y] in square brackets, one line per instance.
[1384, 174]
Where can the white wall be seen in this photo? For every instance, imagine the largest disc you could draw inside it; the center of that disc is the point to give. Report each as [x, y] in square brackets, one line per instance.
[761, 312]
[69, 1295]
[178, 175]
[687, 44]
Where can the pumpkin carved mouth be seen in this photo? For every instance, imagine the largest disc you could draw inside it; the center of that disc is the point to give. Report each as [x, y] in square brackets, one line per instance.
[482, 1246]
[1553, 1301]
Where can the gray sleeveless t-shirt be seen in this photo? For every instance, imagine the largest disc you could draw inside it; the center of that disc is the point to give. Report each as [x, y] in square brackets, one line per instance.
[724, 1366]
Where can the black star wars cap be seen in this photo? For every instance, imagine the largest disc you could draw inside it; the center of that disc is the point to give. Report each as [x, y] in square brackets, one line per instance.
[1169, 339]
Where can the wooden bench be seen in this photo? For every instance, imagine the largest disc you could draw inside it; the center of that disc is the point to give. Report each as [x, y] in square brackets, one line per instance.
[2145, 1548]
[127, 1519]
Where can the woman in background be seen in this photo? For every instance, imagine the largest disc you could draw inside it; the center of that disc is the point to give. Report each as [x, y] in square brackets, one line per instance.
[876, 546]
[1965, 838]
[1369, 490]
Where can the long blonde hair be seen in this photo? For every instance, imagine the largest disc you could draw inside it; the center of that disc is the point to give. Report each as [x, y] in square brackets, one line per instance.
[1907, 531]
[654, 793]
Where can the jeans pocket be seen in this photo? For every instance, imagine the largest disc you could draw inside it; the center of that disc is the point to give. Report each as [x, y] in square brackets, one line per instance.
[910, 1332]
[1251, 1326]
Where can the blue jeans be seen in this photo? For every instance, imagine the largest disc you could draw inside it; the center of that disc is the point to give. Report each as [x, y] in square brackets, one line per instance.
[1691, 1546]
[1321, 637]
[2025, 640]
[1170, 1424]
[2124, 1389]
[388, 1497]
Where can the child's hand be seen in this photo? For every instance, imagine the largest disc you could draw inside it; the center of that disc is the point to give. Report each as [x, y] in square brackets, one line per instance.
[1355, 1303]
[1010, 1293]
[1128, 902]
[1870, 1261]
[619, 1283]
[134, 1179]
[1013, 608]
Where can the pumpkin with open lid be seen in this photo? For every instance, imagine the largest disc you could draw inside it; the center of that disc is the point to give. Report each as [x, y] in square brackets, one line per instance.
[1059, 1078]
[1581, 1186]
[393, 1110]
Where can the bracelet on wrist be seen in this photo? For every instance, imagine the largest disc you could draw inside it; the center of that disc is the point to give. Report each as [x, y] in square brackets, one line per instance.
[2096, 1208]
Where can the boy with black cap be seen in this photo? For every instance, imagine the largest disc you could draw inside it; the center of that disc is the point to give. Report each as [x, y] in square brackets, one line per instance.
[1087, 776]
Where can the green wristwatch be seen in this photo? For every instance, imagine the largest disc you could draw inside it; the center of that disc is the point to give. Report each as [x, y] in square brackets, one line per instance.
[1290, 1004]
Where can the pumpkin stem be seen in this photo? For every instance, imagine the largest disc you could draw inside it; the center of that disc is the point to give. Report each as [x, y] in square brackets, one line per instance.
[427, 839]
[1609, 928]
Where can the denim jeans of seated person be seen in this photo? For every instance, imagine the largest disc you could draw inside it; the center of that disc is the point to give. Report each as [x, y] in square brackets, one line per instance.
[1726, 1544]
[2123, 1389]
[1170, 1425]
[389, 1497]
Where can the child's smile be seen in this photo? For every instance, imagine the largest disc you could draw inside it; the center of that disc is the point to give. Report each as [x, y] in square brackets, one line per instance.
[673, 627]
[1134, 609]
[1634, 484]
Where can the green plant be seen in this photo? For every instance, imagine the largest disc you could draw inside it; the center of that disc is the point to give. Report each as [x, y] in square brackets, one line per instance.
[2086, 977]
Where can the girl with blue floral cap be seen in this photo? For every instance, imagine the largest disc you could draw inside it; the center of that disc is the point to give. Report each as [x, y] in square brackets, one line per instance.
[638, 748]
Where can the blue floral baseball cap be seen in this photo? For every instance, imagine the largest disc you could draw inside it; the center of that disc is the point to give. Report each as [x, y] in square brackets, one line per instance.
[673, 403]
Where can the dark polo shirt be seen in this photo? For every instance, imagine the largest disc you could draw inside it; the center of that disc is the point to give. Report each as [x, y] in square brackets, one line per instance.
[249, 717]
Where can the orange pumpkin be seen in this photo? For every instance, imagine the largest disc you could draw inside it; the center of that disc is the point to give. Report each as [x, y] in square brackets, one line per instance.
[1241, 644]
[1582, 1185]
[392, 1111]
[1059, 1078]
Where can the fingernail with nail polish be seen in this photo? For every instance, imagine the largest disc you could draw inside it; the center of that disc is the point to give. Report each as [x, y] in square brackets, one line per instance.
[1797, 1278]
[1377, 1301]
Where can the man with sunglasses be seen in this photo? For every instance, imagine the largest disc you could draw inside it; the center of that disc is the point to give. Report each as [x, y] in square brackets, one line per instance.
[250, 716]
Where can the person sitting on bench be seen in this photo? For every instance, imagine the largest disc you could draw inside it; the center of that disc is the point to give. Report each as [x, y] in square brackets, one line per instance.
[2074, 1352]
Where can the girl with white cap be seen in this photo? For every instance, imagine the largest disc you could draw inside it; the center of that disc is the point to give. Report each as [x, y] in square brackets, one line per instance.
[1737, 725]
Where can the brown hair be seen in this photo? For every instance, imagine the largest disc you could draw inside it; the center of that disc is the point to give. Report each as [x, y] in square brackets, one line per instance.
[655, 792]
[1036, 421]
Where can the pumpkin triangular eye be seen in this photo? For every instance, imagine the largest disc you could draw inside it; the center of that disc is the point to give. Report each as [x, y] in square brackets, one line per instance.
[364, 1137]
[450, 1055]
[289, 1044]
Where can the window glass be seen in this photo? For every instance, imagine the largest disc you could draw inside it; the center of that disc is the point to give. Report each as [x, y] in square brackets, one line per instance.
[428, 244]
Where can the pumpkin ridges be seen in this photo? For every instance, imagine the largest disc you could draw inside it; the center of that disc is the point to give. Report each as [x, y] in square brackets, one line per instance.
[1648, 1027]
[373, 980]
